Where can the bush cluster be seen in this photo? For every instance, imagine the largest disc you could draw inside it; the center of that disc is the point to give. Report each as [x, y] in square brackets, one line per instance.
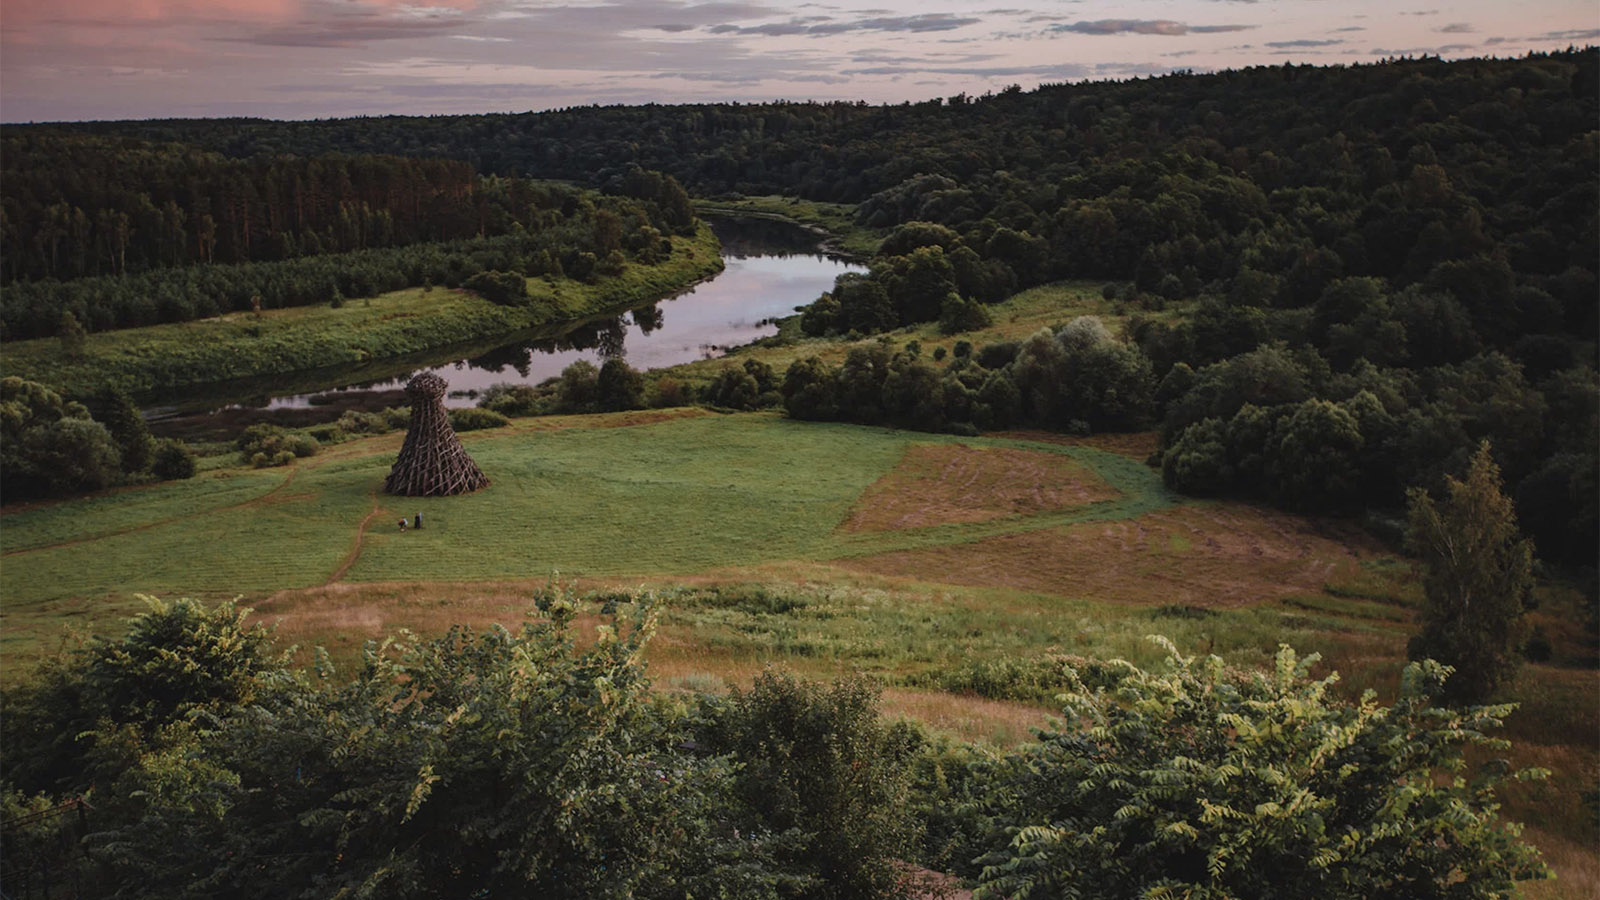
[51, 446]
[530, 761]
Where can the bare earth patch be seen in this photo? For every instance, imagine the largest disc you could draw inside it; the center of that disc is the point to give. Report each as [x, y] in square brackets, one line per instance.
[939, 484]
[1217, 555]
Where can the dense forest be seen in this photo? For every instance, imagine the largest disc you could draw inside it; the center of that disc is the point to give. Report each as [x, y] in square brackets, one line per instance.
[123, 233]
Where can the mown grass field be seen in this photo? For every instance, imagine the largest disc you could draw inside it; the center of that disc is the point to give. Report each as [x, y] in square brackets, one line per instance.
[953, 570]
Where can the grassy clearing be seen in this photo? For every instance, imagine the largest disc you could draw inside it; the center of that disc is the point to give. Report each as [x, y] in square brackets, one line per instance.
[736, 520]
[241, 345]
[678, 496]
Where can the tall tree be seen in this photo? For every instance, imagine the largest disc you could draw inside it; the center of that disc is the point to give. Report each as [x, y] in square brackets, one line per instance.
[1477, 577]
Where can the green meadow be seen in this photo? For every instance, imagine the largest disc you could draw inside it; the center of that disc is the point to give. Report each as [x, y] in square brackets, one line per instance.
[680, 496]
[740, 526]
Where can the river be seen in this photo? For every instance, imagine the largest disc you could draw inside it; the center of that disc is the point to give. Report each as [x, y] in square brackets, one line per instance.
[771, 268]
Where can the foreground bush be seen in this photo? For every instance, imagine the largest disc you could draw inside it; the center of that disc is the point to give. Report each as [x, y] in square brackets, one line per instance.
[501, 763]
[1197, 782]
[819, 768]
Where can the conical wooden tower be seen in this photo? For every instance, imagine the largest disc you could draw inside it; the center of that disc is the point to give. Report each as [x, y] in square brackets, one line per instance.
[432, 463]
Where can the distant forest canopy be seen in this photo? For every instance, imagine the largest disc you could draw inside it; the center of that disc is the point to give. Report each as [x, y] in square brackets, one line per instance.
[121, 232]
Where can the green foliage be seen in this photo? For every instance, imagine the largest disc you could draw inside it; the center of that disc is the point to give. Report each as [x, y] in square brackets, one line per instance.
[957, 315]
[476, 764]
[818, 766]
[117, 411]
[579, 387]
[173, 460]
[474, 418]
[75, 719]
[734, 389]
[1477, 580]
[809, 390]
[512, 400]
[1205, 783]
[273, 445]
[49, 445]
[71, 334]
[504, 288]
[619, 386]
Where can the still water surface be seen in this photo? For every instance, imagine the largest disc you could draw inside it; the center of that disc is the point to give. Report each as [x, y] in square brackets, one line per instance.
[772, 268]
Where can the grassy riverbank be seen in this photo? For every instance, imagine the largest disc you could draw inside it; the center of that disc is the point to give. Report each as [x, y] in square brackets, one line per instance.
[238, 345]
[837, 220]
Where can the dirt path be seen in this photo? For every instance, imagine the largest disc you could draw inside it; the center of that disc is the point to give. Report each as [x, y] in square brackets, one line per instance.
[253, 501]
[355, 549]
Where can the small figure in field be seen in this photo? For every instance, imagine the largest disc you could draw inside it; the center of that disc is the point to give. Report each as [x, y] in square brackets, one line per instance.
[416, 522]
[402, 524]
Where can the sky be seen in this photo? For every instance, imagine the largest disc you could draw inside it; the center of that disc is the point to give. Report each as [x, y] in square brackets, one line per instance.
[69, 60]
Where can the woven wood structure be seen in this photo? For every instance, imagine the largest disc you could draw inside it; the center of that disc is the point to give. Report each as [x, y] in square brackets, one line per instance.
[432, 463]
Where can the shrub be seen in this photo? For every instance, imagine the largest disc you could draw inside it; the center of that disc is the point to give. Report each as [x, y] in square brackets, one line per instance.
[578, 389]
[734, 389]
[669, 391]
[1477, 579]
[1202, 782]
[49, 445]
[958, 314]
[174, 657]
[274, 445]
[173, 460]
[69, 456]
[819, 764]
[354, 421]
[512, 400]
[619, 386]
[473, 419]
[504, 288]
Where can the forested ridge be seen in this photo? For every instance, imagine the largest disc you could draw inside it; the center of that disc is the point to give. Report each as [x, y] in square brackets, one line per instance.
[123, 232]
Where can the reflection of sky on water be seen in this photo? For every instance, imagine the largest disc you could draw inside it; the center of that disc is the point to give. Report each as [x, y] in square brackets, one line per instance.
[720, 313]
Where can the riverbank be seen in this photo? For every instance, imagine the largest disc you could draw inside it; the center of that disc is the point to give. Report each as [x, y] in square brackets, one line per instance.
[833, 223]
[169, 358]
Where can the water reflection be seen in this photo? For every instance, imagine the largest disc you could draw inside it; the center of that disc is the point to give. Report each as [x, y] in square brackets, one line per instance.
[772, 268]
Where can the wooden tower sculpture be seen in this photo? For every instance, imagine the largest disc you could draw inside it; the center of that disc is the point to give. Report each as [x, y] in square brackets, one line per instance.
[432, 463]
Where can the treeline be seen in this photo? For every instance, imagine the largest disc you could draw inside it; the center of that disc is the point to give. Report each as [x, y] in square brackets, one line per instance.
[186, 758]
[530, 229]
[51, 446]
[1275, 421]
[79, 205]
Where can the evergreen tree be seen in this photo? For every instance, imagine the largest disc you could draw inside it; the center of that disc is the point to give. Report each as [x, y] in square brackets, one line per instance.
[117, 411]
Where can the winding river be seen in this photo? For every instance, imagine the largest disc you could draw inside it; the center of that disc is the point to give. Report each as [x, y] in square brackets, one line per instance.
[772, 268]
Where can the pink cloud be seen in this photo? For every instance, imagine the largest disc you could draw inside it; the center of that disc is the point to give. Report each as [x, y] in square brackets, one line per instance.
[23, 13]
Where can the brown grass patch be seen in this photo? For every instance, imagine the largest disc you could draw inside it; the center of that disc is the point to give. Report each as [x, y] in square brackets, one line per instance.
[1135, 445]
[998, 722]
[937, 484]
[1220, 555]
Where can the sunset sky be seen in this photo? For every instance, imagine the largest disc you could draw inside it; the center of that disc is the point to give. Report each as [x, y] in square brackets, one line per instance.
[120, 59]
